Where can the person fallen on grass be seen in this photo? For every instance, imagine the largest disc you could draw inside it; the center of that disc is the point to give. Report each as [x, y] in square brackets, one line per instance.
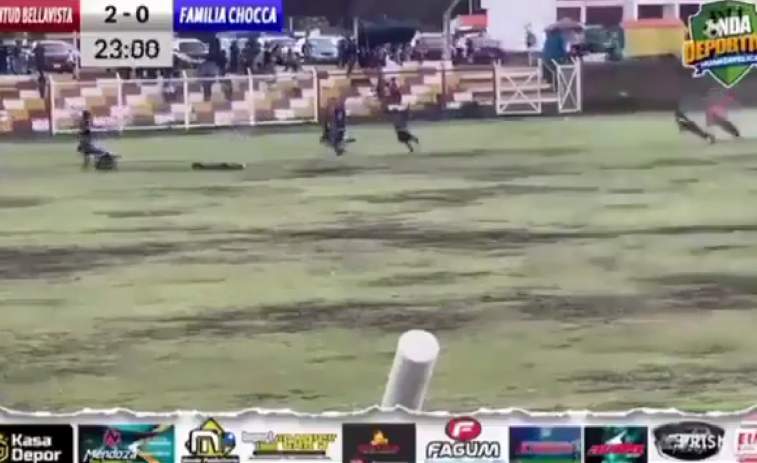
[717, 116]
[89, 150]
[687, 125]
[401, 119]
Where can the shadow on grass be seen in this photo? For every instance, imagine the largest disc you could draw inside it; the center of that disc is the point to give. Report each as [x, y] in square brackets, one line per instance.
[406, 236]
[399, 280]
[461, 196]
[20, 202]
[135, 214]
[666, 162]
[680, 380]
[41, 262]
[386, 316]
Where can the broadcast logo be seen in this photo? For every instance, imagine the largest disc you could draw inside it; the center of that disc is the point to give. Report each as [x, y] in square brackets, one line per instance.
[36, 444]
[558, 444]
[615, 444]
[722, 41]
[210, 443]
[462, 443]
[145, 443]
[689, 440]
[275, 446]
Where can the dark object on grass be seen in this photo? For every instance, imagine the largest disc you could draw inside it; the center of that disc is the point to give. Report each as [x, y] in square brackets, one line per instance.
[106, 161]
[217, 166]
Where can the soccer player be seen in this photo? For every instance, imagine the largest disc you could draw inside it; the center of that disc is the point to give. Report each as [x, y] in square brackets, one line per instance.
[687, 125]
[338, 128]
[326, 134]
[87, 148]
[717, 116]
[403, 132]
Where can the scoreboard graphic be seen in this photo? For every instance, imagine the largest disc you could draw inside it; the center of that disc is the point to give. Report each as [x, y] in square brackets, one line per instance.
[136, 33]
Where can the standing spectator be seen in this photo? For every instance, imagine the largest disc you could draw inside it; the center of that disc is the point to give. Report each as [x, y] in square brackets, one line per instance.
[206, 72]
[531, 40]
[42, 84]
[268, 58]
[342, 51]
[71, 61]
[3, 59]
[250, 57]
[395, 94]
[307, 50]
[222, 62]
[17, 59]
[234, 57]
[39, 58]
[291, 62]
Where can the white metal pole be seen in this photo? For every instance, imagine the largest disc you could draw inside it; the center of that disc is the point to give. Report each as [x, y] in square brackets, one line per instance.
[447, 33]
[411, 372]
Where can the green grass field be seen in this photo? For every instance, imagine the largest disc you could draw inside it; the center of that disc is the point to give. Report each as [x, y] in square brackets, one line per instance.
[562, 263]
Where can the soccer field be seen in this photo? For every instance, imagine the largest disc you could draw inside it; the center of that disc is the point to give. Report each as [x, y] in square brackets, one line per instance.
[604, 263]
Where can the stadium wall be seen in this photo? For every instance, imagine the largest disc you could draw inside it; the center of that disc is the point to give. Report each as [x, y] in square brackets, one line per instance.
[432, 92]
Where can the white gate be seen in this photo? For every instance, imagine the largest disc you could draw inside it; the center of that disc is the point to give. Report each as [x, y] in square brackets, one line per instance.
[569, 91]
[518, 90]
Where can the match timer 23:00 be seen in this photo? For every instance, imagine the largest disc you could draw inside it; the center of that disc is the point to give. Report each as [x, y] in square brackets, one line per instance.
[126, 33]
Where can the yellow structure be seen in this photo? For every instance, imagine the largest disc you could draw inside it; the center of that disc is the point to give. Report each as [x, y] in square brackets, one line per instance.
[654, 37]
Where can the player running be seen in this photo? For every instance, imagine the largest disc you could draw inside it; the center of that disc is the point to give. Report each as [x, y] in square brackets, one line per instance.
[335, 130]
[400, 120]
[717, 115]
[687, 125]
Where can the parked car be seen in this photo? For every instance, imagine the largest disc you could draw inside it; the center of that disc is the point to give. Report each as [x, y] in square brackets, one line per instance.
[189, 53]
[58, 55]
[284, 42]
[486, 50]
[324, 49]
[429, 47]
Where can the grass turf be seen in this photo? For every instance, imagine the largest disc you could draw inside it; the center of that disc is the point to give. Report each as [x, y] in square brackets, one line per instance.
[580, 263]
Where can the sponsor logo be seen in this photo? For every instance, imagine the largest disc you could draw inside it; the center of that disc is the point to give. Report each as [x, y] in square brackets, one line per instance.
[559, 444]
[689, 440]
[210, 443]
[746, 441]
[463, 429]
[463, 433]
[378, 442]
[36, 444]
[272, 445]
[617, 444]
[144, 443]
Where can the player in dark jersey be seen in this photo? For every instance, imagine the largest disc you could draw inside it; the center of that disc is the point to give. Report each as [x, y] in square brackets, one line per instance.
[87, 148]
[338, 129]
[326, 134]
[687, 125]
[400, 120]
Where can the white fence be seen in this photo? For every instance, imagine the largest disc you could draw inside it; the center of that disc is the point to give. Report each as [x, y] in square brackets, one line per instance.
[188, 103]
[185, 103]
